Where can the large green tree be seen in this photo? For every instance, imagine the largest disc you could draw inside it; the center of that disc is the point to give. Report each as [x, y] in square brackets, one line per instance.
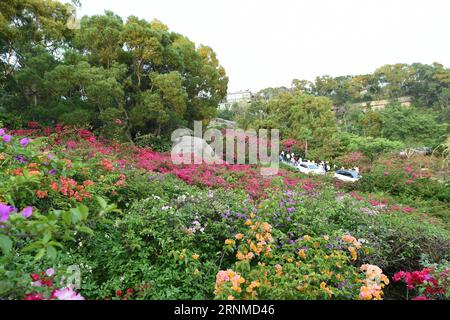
[139, 72]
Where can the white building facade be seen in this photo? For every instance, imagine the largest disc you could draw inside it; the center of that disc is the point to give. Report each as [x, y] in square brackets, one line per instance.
[236, 97]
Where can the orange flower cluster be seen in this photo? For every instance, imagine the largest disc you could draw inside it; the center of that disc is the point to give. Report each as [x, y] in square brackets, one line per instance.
[279, 270]
[121, 181]
[325, 288]
[41, 194]
[356, 245]
[229, 275]
[373, 284]
[257, 243]
[251, 288]
[32, 168]
[107, 165]
[70, 188]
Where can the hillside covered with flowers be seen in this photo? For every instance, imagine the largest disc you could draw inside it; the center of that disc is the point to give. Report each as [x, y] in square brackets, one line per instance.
[135, 226]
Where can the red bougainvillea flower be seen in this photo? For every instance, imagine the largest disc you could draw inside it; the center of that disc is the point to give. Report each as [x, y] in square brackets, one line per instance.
[35, 276]
[47, 131]
[33, 124]
[34, 296]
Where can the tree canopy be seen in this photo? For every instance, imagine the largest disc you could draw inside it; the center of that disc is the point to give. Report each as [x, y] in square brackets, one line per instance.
[129, 78]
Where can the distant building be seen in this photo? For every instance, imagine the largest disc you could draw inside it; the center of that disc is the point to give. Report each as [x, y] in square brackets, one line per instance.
[381, 104]
[373, 105]
[222, 123]
[238, 97]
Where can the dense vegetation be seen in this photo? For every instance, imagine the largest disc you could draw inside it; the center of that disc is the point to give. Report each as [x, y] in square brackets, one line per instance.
[330, 111]
[137, 226]
[137, 73]
[89, 210]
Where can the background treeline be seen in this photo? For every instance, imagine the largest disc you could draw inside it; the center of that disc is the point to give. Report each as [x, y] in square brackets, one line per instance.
[127, 79]
[334, 115]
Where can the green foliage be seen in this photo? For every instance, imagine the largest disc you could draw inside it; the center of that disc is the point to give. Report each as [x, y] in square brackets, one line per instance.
[369, 146]
[121, 78]
[297, 115]
[157, 240]
[411, 126]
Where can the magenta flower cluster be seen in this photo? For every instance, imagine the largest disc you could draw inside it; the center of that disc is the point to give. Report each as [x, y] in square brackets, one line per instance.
[7, 210]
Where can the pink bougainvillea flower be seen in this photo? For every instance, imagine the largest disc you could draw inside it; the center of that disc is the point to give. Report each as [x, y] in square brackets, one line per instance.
[71, 144]
[398, 276]
[27, 212]
[24, 142]
[2, 132]
[37, 283]
[6, 138]
[67, 294]
[50, 272]
[407, 209]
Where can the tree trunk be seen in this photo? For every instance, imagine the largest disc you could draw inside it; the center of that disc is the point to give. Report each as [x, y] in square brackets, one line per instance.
[306, 149]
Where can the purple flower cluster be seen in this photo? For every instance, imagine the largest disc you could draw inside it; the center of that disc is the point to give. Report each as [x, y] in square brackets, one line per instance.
[6, 138]
[6, 210]
[21, 159]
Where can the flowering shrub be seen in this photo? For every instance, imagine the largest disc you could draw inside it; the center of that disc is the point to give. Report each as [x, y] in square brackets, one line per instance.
[140, 227]
[430, 283]
[313, 268]
[354, 159]
[292, 145]
[45, 287]
[399, 177]
[373, 283]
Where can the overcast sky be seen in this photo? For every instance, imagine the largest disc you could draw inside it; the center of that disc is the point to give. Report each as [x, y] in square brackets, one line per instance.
[267, 43]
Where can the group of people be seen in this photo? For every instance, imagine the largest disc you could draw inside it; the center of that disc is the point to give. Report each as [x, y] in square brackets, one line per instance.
[295, 161]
